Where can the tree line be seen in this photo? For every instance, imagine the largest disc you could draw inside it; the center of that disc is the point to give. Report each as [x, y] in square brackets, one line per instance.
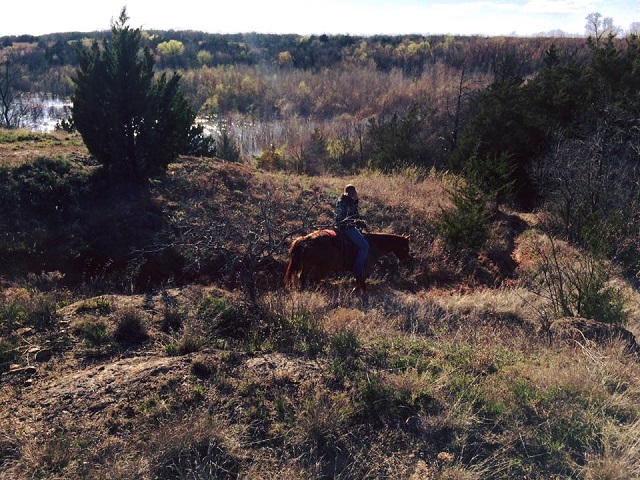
[49, 59]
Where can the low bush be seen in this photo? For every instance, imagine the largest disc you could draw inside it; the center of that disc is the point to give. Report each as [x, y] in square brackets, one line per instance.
[43, 313]
[24, 308]
[222, 317]
[190, 340]
[172, 319]
[129, 326]
[94, 332]
[575, 284]
[186, 449]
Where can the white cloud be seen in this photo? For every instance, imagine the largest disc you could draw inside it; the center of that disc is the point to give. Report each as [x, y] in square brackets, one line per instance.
[559, 6]
[464, 9]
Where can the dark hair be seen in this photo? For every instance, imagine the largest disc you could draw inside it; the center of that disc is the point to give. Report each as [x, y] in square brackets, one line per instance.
[350, 189]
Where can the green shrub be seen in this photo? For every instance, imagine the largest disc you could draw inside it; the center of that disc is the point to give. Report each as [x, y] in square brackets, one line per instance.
[302, 332]
[345, 344]
[212, 309]
[200, 144]
[373, 397]
[271, 159]
[226, 147]
[8, 188]
[11, 314]
[615, 236]
[144, 120]
[35, 310]
[467, 224]
[395, 141]
[53, 189]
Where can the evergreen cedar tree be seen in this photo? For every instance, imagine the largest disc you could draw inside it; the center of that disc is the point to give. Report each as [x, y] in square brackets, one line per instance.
[133, 125]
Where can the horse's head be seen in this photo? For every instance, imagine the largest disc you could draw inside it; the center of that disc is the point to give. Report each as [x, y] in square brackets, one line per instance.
[388, 242]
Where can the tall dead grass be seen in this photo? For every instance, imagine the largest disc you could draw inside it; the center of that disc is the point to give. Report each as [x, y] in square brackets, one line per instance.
[411, 193]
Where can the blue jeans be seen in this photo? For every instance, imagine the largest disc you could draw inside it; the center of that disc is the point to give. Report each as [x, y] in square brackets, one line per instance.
[356, 237]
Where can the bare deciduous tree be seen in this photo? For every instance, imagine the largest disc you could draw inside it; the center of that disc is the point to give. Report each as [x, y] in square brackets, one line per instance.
[599, 27]
[591, 189]
[13, 107]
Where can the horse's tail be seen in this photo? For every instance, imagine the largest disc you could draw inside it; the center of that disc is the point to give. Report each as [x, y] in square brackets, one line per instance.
[295, 263]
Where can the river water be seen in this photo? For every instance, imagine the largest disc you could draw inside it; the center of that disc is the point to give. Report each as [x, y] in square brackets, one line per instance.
[45, 113]
[252, 137]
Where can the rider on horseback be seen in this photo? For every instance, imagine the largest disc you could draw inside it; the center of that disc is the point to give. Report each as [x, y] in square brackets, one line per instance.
[348, 221]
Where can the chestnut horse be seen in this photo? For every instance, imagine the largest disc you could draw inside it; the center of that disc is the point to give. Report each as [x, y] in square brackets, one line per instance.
[318, 253]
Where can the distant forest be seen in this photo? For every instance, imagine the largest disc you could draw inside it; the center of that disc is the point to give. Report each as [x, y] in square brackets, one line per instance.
[50, 61]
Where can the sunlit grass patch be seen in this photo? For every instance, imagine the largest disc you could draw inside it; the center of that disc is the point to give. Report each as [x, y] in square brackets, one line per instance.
[618, 456]
[418, 195]
[101, 305]
[19, 135]
[515, 301]
[19, 147]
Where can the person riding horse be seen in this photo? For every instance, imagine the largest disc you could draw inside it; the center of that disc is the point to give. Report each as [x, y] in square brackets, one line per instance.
[348, 221]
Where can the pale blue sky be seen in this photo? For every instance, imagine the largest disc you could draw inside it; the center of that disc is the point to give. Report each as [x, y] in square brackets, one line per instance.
[355, 17]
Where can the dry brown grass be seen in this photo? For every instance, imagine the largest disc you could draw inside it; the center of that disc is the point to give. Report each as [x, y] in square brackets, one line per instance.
[419, 198]
[516, 301]
[463, 365]
[619, 457]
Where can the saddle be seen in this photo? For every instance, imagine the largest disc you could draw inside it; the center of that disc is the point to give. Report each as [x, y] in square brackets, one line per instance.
[348, 250]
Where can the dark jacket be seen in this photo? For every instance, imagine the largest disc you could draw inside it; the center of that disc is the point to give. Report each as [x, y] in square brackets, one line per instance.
[347, 214]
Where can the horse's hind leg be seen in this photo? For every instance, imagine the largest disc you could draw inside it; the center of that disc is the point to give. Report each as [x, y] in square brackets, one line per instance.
[303, 279]
[311, 275]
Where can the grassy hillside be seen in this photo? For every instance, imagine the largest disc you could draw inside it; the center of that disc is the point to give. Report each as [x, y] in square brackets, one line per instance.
[147, 335]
